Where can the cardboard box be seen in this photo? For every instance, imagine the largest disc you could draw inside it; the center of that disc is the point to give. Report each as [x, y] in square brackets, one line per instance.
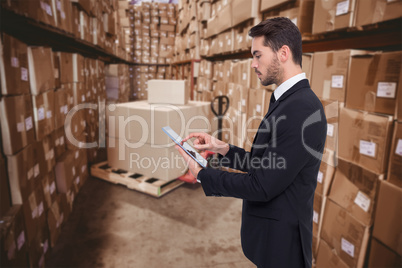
[59, 142]
[355, 189]
[5, 196]
[318, 213]
[331, 109]
[17, 123]
[41, 69]
[24, 173]
[63, 102]
[395, 158]
[325, 174]
[55, 219]
[148, 120]
[373, 82]
[34, 212]
[382, 256]
[64, 16]
[343, 233]
[326, 257]
[269, 4]
[14, 66]
[66, 67]
[78, 68]
[43, 11]
[161, 162]
[46, 153]
[244, 10]
[14, 245]
[330, 73]
[307, 65]
[65, 171]
[39, 246]
[168, 91]
[220, 22]
[43, 107]
[301, 15]
[374, 11]
[388, 217]
[333, 15]
[49, 189]
[365, 139]
[56, 64]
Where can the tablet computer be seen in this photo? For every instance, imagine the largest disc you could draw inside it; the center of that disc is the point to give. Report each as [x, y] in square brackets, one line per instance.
[186, 147]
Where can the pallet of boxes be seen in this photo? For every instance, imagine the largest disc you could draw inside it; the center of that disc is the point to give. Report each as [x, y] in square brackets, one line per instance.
[357, 206]
[140, 155]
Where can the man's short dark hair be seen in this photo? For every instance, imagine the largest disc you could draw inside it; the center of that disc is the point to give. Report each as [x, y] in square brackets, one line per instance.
[277, 32]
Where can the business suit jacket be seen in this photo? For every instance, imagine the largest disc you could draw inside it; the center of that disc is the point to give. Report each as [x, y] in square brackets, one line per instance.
[277, 197]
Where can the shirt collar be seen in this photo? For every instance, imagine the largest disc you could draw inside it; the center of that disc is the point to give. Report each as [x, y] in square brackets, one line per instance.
[285, 86]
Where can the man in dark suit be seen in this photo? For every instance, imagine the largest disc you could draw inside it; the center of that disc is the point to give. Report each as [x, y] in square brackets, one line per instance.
[282, 166]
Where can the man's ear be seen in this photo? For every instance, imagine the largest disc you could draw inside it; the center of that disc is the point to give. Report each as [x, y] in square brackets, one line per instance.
[284, 53]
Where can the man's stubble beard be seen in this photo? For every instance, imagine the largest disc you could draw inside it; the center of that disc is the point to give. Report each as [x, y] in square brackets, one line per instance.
[273, 73]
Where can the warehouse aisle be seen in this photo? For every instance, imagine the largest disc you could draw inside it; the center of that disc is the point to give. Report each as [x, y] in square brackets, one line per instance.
[112, 226]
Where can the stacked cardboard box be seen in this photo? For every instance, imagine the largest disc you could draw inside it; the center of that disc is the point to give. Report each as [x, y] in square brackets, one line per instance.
[149, 151]
[117, 83]
[49, 108]
[153, 27]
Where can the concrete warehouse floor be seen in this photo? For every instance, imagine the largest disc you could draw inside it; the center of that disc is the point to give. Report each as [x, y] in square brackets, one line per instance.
[112, 226]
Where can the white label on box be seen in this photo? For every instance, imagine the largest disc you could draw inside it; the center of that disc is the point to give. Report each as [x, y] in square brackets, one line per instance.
[75, 128]
[337, 81]
[315, 216]
[52, 188]
[258, 108]
[244, 76]
[49, 114]
[77, 180]
[56, 73]
[386, 90]
[57, 142]
[51, 153]
[40, 208]
[65, 109]
[77, 154]
[398, 150]
[15, 62]
[20, 127]
[30, 173]
[243, 102]
[62, 140]
[367, 148]
[226, 136]
[21, 240]
[36, 170]
[362, 201]
[348, 247]
[48, 9]
[294, 20]
[83, 98]
[240, 39]
[83, 168]
[330, 130]
[28, 123]
[41, 113]
[58, 4]
[342, 8]
[24, 74]
[63, 15]
[320, 176]
[73, 170]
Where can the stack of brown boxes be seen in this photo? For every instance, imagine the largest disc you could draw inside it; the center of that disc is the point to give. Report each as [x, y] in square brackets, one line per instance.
[153, 27]
[117, 83]
[49, 109]
[368, 85]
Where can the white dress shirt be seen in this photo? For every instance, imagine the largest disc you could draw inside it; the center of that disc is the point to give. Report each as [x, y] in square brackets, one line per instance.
[285, 86]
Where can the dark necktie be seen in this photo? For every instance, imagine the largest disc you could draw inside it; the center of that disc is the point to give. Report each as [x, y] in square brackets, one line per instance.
[271, 102]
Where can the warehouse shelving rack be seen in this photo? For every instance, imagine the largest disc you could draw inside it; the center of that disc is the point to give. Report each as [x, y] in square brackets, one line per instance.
[35, 33]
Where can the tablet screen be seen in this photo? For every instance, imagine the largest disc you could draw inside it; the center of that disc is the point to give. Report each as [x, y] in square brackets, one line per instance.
[186, 147]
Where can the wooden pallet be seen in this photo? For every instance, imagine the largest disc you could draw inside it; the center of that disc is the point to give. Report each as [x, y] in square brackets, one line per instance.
[134, 181]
